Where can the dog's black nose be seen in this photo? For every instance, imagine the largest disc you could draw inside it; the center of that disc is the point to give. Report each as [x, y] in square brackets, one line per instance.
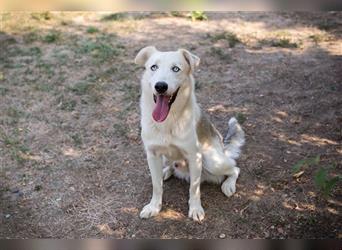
[161, 87]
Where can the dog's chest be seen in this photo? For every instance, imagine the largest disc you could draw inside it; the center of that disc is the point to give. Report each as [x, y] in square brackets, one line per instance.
[171, 152]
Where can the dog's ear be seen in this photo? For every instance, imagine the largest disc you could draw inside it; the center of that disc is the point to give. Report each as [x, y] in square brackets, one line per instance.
[190, 58]
[144, 54]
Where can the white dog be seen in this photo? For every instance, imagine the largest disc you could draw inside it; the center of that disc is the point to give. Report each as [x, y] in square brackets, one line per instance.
[174, 128]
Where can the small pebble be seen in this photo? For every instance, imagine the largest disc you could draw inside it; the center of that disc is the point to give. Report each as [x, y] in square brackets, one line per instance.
[222, 236]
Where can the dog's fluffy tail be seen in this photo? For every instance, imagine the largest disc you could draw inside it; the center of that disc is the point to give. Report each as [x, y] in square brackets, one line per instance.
[234, 139]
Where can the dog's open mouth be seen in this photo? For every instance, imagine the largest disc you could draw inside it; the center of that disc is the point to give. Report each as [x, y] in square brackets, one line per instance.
[163, 106]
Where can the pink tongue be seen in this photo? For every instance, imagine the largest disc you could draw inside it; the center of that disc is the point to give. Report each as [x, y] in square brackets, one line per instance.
[161, 109]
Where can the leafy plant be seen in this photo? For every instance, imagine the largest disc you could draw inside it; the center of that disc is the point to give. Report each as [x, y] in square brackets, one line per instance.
[228, 36]
[92, 30]
[325, 183]
[197, 16]
[304, 163]
[51, 37]
[321, 178]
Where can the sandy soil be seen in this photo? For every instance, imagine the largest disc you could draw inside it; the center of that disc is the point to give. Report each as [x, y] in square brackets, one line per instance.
[72, 161]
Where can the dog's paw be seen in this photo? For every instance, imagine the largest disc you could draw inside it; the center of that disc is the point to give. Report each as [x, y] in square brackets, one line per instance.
[228, 187]
[149, 210]
[167, 173]
[196, 212]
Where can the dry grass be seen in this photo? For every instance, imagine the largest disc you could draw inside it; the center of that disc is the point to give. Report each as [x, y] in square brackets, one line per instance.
[72, 163]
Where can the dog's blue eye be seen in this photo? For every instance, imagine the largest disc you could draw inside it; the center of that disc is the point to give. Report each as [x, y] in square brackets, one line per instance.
[175, 69]
[154, 67]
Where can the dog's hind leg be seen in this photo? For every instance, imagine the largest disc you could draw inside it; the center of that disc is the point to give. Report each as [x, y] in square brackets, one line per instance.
[167, 172]
[217, 163]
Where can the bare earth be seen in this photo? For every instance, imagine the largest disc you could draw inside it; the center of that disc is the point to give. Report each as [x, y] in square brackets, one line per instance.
[72, 161]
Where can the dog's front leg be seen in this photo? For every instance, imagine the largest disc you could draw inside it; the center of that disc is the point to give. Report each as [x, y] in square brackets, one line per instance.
[155, 165]
[196, 211]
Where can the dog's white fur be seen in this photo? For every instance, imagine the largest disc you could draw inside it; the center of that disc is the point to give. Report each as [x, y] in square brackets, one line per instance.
[185, 138]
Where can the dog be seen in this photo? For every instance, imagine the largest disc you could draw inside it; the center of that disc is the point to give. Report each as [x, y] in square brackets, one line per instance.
[174, 129]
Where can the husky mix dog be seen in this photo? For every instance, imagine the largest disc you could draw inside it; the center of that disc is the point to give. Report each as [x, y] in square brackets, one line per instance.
[178, 138]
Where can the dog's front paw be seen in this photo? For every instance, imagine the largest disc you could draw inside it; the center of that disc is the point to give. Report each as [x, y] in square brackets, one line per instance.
[228, 187]
[149, 210]
[196, 212]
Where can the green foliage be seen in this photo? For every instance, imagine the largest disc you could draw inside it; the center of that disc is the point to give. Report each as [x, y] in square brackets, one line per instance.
[322, 177]
[282, 43]
[227, 35]
[52, 36]
[197, 16]
[82, 88]
[325, 183]
[176, 13]
[115, 17]
[13, 143]
[40, 16]
[219, 53]
[241, 118]
[31, 37]
[66, 103]
[92, 30]
[304, 163]
[77, 139]
[100, 48]
[3, 91]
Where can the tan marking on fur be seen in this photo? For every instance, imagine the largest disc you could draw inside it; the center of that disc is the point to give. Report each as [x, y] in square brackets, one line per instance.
[206, 132]
[172, 152]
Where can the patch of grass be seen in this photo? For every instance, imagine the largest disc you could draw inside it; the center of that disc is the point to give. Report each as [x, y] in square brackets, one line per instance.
[45, 67]
[219, 53]
[13, 143]
[198, 16]
[52, 36]
[317, 38]
[65, 23]
[305, 163]
[123, 16]
[82, 88]
[77, 139]
[115, 17]
[43, 87]
[230, 37]
[324, 182]
[3, 91]
[34, 51]
[99, 49]
[322, 178]
[241, 118]
[132, 91]
[120, 129]
[282, 43]
[91, 90]
[14, 113]
[177, 14]
[328, 24]
[46, 15]
[31, 37]
[66, 103]
[92, 30]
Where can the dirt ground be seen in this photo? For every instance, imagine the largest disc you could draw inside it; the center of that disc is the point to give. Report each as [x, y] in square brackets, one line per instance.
[72, 161]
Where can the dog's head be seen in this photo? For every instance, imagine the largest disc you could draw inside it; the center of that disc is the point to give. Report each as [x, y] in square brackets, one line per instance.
[166, 73]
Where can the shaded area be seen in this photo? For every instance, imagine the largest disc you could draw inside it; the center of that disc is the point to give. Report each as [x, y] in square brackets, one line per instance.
[72, 163]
